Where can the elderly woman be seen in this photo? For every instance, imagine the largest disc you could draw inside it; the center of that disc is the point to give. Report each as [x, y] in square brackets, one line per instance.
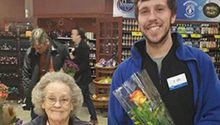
[57, 98]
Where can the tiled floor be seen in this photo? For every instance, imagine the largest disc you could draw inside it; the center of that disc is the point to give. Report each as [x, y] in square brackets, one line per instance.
[83, 115]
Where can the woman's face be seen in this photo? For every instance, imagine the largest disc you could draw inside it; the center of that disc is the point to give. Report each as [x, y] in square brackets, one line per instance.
[57, 102]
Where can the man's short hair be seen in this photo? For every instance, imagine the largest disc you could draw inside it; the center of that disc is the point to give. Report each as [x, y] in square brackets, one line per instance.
[171, 4]
[81, 32]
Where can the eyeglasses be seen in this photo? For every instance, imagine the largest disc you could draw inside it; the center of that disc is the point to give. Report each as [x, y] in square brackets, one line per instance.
[62, 101]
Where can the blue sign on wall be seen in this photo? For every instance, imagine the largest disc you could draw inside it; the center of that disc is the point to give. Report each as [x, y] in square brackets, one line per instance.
[124, 8]
[198, 10]
[195, 10]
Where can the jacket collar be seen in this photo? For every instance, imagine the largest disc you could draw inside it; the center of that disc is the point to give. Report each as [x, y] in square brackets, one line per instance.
[183, 52]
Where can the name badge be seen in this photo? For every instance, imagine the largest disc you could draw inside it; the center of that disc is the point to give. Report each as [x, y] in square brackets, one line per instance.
[176, 82]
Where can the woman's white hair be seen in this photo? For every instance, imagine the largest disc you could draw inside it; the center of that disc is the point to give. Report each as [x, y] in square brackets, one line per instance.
[38, 92]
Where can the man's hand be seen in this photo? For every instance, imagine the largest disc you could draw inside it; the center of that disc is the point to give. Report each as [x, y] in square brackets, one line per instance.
[71, 56]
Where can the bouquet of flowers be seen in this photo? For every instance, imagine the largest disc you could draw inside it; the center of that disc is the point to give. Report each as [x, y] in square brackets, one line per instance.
[7, 114]
[4, 91]
[142, 102]
[70, 67]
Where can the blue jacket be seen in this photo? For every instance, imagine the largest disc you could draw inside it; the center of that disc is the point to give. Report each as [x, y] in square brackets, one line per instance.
[206, 85]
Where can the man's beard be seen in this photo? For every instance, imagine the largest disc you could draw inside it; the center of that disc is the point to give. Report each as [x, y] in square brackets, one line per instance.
[163, 38]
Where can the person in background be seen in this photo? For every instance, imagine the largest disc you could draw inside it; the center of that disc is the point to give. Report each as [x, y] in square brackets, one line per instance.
[83, 75]
[44, 55]
[163, 55]
[57, 99]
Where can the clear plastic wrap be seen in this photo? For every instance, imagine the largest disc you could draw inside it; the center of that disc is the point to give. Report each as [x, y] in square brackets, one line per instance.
[141, 100]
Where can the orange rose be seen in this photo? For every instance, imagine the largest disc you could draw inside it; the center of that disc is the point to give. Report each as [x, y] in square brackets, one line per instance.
[138, 97]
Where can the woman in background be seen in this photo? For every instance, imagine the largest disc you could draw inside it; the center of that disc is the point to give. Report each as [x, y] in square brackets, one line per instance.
[83, 75]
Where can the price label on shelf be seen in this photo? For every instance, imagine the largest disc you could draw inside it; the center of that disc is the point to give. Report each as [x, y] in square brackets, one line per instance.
[205, 49]
[217, 36]
[136, 33]
[184, 35]
[196, 36]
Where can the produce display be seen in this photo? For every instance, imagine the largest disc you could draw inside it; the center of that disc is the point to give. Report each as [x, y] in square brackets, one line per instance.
[99, 98]
[106, 63]
[105, 80]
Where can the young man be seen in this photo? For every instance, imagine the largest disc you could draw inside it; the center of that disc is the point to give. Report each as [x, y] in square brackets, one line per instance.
[44, 55]
[83, 76]
[164, 56]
